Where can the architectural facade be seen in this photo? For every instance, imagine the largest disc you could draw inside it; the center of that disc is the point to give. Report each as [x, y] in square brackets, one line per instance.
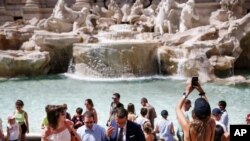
[11, 10]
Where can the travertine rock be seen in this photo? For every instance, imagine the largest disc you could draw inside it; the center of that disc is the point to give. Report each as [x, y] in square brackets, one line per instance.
[203, 50]
[17, 63]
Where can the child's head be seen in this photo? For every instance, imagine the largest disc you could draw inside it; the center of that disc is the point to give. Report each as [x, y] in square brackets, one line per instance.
[144, 112]
[147, 127]
[79, 111]
[19, 105]
[11, 120]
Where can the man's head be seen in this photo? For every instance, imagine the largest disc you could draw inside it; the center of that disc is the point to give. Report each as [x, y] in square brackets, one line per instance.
[79, 111]
[222, 104]
[121, 117]
[89, 119]
[187, 104]
[248, 119]
[216, 112]
[116, 97]
[164, 114]
[144, 101]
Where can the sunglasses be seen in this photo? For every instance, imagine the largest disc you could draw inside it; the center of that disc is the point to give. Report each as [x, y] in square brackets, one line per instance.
[63, 113]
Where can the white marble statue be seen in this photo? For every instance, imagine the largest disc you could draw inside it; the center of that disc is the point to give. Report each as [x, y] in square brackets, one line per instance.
[165, 16]
[136, 11]
[61, 20]
[187, 15]
[234, 8]
[115, 10]
[80, 21]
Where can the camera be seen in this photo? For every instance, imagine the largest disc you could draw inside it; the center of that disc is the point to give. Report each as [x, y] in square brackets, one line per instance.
[194, 81]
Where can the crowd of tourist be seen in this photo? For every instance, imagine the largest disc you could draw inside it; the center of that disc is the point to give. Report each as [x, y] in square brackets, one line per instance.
[123, 124]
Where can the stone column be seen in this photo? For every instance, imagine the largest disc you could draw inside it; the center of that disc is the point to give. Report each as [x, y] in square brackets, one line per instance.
[2, 8]
[32, 3]
[1, 3]
[4, 15]
[82, 3]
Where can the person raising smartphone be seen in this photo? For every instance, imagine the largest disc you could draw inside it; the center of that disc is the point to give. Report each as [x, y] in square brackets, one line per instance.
[202, 127]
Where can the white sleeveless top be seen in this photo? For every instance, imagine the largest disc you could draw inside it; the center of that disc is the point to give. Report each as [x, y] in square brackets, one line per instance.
[61, 136]
[14, 131]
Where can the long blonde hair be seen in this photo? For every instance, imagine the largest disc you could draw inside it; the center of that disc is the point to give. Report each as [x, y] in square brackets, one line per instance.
[199, 126]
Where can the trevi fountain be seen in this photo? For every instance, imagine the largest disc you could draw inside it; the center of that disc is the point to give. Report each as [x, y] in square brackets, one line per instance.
[63, 51]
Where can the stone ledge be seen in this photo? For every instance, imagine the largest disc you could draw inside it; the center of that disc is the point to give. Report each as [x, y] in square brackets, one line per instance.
[30, 136]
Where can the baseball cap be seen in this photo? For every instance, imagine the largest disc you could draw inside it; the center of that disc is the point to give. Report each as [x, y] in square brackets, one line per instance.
[216, 111]
[201, 108]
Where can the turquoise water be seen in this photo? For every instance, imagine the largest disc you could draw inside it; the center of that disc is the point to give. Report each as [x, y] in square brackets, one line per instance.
[161, 92]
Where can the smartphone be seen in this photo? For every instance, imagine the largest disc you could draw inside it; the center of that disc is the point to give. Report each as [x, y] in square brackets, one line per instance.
[195, 81]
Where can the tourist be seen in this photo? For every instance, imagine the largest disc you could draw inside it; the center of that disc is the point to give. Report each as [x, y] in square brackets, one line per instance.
[151, 114]
[216, 115]
[248, 119]
[224, 117]
[45, 122]
[116, 104]
[90, 131]
[59, 129]
[220, 134]
[142, 119]
[165, 127]
[68, 116]
[90, 107]
[1, 131]
[185, 108]
[202, 127]
[148, 131]
[131, 112]
[22, 119]
[121, 129]
[78, 118]
[13, 129]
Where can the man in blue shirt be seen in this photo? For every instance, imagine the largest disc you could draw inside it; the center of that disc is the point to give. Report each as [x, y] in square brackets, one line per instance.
[91, 131]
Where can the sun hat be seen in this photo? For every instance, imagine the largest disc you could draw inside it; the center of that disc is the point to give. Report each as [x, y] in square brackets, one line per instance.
[11, 117]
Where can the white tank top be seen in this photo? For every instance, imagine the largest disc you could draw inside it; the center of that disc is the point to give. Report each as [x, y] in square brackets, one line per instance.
[14, 131]
[61, 136]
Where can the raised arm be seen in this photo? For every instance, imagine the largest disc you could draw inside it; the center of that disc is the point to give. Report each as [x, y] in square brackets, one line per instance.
[179, 113]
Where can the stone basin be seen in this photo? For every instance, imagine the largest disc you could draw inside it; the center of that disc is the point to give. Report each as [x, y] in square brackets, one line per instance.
[116, 58]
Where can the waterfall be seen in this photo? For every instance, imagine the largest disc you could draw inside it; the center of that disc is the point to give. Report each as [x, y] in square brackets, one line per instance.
[181, 67]
[71, 67]
[159, 61]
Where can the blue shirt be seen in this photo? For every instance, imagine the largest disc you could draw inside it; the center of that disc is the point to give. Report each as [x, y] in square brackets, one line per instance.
[97, 133]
